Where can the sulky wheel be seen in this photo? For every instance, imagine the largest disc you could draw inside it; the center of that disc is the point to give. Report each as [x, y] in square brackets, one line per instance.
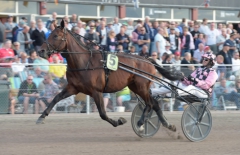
[192, 128]
[151, 123]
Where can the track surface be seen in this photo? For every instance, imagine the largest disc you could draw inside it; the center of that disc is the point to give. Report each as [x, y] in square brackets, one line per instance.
[78, 134]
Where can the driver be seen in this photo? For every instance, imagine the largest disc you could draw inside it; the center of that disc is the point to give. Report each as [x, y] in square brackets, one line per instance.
[198, 83]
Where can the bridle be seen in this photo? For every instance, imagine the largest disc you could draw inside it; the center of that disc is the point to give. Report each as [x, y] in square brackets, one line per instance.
[51, 49]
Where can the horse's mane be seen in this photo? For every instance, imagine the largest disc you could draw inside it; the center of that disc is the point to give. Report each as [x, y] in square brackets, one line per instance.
[171, 74]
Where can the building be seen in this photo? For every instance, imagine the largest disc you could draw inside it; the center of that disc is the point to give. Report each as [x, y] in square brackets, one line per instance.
[165, 10]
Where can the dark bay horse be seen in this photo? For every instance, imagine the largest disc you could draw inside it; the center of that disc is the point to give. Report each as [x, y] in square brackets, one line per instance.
[86, 74]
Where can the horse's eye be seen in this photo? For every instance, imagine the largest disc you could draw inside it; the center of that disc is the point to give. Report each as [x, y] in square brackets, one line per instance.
[55, 36]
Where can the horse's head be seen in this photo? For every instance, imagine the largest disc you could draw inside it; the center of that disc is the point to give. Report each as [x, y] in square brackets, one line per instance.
[56, 42]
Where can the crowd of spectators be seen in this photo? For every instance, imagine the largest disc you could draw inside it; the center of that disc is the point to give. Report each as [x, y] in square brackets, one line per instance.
[166, 42]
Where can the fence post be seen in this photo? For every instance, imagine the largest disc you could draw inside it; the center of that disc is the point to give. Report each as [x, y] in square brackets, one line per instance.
[88, 104]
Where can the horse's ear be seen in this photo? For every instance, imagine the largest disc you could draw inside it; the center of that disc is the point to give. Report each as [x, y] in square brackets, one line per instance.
[62, 24]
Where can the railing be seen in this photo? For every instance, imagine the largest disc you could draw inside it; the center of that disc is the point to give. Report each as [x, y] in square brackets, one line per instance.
[12, 81]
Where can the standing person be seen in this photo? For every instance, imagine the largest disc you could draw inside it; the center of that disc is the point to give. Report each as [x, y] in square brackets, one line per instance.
[236, 63]
[185, 41]
[130, 28]
[231, 42]
[24, 39]
[38, 36]
[103, 35]
[32, 27]
[116, 25]
[28, 93]
[190, 26]
[111, 41]
[160, 42]
[199, 40]
[2, 34]
[195, 33]
[222, 38]
[54, 17]
[143, 39]
[73, 21]
[17, 29]
[204, 27]
[123, 39]
[147, 27]
[174, 40]
[212, 38]
[82, 30]
[220, 27]
[9, 27]
[135, 35]
[91, 36]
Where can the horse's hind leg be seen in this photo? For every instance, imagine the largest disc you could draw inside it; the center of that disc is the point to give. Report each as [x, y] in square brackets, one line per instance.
[62, 95]
[161, 117]
[98, 98]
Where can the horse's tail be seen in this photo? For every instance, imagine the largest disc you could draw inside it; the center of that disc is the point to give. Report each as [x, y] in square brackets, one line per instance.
[172, 75]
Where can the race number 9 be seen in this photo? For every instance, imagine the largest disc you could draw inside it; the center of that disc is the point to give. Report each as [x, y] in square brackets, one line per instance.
[112, 62]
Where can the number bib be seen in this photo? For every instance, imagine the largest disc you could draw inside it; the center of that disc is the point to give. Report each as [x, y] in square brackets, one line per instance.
[112, 62]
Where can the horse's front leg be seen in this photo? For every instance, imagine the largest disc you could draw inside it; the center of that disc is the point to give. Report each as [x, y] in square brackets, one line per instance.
[98, 98]
[62, 95]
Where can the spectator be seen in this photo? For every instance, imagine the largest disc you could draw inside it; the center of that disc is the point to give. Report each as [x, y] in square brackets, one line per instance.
[229, 93]
[167, 60]
[24, 39]
[154, 56]
[212, 38]
[165, 34]
[17, 50]
[238, 28]
[199, 40]
[39, 60]
[38, 73]
[54, 17]
[120, 49]
[143, 39]
[32, 57]
[236, 63]
[66, 22]
[185, 41]
[222, 38]
[73, 21]
[177, 60]
[109, 27]
[50, 91]
[174, 40]
[221, 70]
[160, 42]
[6, 52]
[2, 34]
[32, 27]
[130, 28]
[116, 25]
[123, 39]
[9, 25]
[17, 29]
[132, 50]
[38, 37]
[204, 27]
[220, 27]
[231, 42]
[225, 53]
[195, 33]
[173, 26]
[17, 67]
[154, 30]
[82, 30]
[135, 35]
[167, 48]
[123, 96]
[28, 93]
[24, 58]
[191, 26]
[179, 27]
[183, 23]
[103, 35]
[144, 51]
[237, 84]
[197, 56]
[147, 27]
[187, 70]
[207, 49]
[111, 41]
[91, 35]
[52, 26]
[230, 27]
[57, 71]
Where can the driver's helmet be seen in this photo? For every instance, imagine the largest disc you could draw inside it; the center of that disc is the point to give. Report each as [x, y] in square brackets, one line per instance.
[209, 55]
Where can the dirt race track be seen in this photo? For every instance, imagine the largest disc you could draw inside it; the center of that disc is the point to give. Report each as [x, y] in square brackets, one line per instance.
[78, 134]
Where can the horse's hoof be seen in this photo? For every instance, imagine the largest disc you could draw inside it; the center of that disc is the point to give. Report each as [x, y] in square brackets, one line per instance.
[40, 120]
[122, 121]
[172, 128]
[141, 128]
